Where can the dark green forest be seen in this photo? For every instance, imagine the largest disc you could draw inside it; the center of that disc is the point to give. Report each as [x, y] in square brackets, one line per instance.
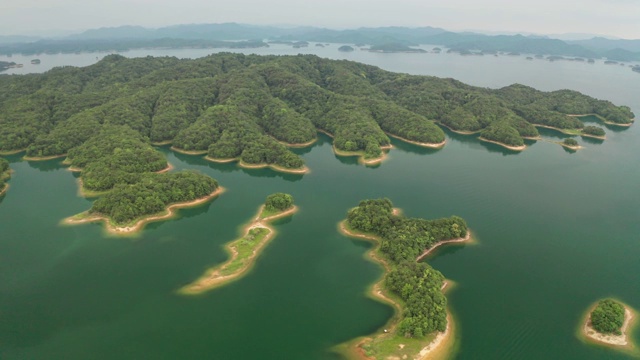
[608, 317]
[402, 241]
[247, 106]
[278, 202]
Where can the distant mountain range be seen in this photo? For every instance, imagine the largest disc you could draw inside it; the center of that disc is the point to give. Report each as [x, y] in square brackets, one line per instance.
[221, 35]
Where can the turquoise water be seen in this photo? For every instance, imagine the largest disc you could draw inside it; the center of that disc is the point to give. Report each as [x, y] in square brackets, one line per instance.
[557, 230]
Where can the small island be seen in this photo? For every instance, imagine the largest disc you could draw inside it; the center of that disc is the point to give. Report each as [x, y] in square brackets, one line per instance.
[5, 174]
[570, 144]
[346, 48]
[421, 326]
[609, 322]
[244, 251]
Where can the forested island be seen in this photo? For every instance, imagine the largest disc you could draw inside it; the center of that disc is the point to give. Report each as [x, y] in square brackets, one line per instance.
[250, 108]
[395, 47]
[244, 251]
[413, 288]
[570, 144]
[5, 65]
[609, 322]
[5, 174]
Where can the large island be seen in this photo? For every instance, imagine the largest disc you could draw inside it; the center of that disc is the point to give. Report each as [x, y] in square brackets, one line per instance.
[421, 326]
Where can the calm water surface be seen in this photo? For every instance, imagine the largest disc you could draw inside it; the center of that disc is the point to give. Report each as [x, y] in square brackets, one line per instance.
[557, 231]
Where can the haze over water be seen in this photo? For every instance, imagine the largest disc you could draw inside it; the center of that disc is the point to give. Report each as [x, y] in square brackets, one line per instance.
[556, 231]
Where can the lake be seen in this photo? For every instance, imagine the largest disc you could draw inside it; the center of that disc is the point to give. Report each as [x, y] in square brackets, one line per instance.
[556, 231]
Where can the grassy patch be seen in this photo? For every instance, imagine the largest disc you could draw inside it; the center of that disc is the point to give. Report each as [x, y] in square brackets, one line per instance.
[245, 247]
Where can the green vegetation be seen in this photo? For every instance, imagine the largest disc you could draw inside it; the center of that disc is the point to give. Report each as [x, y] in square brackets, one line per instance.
[5, 173]
[570, 142]
[608, 317]
[151, 194]
[402, 240]
[345, 48]
[245, 250]
[278, 202]
[234, 106]
[593, 131]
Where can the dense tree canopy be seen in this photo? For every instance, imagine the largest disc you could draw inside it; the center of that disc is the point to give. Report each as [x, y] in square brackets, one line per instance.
[278, 202]
[243, 106]
[570, 142]
[608, 317]
[593, 130]
[402, 241]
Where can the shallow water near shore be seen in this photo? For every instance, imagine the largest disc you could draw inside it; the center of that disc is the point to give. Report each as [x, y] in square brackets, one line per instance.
[556, 231]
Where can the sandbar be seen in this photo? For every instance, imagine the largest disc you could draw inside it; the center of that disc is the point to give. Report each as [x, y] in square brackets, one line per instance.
[169, 212]
[514, 148]
[621, 341]
[437, 347]
[439, 145]
[216, 276]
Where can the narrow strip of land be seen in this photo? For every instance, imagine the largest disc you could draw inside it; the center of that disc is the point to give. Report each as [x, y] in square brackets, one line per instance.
[243, 253]
[423, 144]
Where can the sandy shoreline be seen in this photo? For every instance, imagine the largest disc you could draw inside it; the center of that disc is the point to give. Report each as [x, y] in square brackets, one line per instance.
[303, 170]
[610, 339]
[43, 158]
[131, 229]
[594, 136]
[187, 152]
[603, 119]
[439, 145]
[167, 169]
[437, 347]
[444, 242]
[12, 152]
[214, 278]
[461, 132]
[297, 145]
[514, 148]
[359, 153]
[4, 189]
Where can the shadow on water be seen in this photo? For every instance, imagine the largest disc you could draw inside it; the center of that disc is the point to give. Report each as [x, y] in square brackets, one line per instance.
[593, 120]
[567, 150]
[550, 133]
[48, 165]
[411, 148]
[473, 142]
[591, 140]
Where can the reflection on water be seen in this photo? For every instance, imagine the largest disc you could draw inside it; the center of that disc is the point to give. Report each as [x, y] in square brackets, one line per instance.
[47, 165]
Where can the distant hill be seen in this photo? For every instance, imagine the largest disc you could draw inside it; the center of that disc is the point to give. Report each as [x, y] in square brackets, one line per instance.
[211, 35]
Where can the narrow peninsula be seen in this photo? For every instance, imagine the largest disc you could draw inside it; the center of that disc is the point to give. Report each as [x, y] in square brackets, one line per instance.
[244, 251]
[609, 322]
[421, 326]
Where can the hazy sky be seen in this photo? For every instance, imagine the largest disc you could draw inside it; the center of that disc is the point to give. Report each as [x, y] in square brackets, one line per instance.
[619, 18]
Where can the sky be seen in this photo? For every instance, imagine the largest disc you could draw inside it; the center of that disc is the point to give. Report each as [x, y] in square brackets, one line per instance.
[615, 18]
